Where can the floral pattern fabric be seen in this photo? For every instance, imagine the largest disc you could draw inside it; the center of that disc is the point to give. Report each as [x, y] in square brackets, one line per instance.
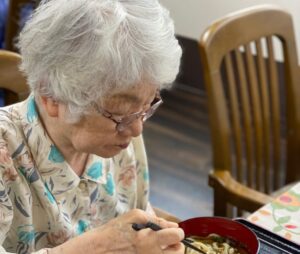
[282, 216]
[43, 202]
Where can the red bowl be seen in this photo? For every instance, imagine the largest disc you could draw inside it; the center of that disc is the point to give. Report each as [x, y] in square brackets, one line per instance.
[203, 226]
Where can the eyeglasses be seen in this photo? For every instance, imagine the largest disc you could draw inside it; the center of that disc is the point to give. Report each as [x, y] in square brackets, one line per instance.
[123, 122]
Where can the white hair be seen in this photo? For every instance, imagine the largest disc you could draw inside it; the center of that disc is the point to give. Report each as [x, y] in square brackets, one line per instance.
[78, 51]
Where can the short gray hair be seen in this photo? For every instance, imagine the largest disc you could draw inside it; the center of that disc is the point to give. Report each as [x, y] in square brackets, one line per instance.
[77, 51]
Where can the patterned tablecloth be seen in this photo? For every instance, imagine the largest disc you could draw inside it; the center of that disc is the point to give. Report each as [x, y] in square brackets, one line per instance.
[282, 216]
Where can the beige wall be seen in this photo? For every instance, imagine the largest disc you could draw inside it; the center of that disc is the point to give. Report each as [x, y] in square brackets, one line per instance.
[193, 16]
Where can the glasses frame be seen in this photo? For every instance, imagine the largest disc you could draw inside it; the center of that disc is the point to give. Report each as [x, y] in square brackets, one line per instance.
[123, 122]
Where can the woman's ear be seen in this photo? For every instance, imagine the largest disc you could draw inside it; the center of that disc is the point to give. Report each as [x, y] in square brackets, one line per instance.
[50, 106]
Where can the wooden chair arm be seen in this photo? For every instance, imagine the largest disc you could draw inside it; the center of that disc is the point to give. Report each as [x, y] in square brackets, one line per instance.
[165, 215]
[235, 192]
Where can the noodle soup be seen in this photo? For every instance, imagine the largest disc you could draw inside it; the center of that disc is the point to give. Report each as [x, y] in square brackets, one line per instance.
[215, 244]
[218, 235]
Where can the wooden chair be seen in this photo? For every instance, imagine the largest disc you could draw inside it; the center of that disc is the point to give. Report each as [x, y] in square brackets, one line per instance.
[11, 79]
[254, 107]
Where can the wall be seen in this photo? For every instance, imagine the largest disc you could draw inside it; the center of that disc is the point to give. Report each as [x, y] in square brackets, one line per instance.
[193, 16]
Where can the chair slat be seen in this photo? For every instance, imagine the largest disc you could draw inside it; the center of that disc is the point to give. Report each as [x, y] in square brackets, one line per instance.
[275, 110]
[236, 122]
[262, 76]
[257, 117]
[246, 113]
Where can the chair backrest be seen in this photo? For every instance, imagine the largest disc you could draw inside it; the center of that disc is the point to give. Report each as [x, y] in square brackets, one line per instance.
[11, 79]
[254, 103]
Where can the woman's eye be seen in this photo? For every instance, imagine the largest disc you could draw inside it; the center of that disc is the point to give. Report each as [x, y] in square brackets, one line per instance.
[128, 110]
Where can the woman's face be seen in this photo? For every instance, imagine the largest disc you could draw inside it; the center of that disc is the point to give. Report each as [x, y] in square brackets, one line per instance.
[96, 134]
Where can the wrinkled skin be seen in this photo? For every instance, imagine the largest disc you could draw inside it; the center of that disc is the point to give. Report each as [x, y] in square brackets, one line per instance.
[118, 237]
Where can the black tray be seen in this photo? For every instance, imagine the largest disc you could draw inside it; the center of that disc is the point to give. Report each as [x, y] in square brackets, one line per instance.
[271, 243]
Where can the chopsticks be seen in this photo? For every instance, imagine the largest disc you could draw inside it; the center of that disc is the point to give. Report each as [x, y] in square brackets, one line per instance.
[156, 227]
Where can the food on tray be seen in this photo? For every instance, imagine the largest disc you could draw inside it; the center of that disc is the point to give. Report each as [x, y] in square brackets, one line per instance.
[215, 244]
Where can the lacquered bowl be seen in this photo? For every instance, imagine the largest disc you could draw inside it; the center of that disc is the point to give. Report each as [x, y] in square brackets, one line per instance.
[203, 226]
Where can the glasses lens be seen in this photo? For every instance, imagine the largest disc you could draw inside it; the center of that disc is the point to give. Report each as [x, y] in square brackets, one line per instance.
[126, 121]
[152, 109]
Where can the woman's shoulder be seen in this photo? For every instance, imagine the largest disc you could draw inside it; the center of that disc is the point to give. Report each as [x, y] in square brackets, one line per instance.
[12, 113]
[11, 117]
[12, 125]
[14, 129]
[8, 121]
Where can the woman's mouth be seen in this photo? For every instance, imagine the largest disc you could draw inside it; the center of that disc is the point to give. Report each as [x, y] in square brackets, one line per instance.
[123, 146]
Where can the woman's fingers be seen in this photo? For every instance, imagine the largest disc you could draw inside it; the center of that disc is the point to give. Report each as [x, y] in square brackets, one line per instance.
[169, 236]
[178, 248]
[139, 216]
[163, 241]
[166, 240]
[163, 223]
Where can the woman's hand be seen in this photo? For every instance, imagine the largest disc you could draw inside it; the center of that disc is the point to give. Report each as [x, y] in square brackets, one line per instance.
[118, 237]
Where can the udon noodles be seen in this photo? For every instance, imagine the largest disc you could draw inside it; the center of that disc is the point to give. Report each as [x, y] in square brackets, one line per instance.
[214, 244]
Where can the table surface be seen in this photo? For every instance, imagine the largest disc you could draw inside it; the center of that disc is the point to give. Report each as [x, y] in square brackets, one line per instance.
[282, 216]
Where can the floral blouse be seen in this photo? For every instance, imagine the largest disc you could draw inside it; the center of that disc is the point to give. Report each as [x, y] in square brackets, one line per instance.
[43, 202]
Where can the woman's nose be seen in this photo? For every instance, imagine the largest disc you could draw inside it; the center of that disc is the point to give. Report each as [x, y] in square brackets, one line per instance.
[134, 129]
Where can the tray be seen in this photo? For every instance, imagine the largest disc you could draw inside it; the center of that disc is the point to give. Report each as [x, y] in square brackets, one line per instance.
[271, 243]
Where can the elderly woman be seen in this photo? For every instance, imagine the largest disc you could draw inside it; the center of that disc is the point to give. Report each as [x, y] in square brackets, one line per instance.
[74, 176]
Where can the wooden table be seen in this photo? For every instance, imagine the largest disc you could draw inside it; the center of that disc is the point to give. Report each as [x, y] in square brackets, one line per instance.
[282, 216]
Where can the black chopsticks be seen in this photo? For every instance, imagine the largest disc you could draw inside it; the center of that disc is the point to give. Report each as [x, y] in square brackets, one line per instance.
[156, 227]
